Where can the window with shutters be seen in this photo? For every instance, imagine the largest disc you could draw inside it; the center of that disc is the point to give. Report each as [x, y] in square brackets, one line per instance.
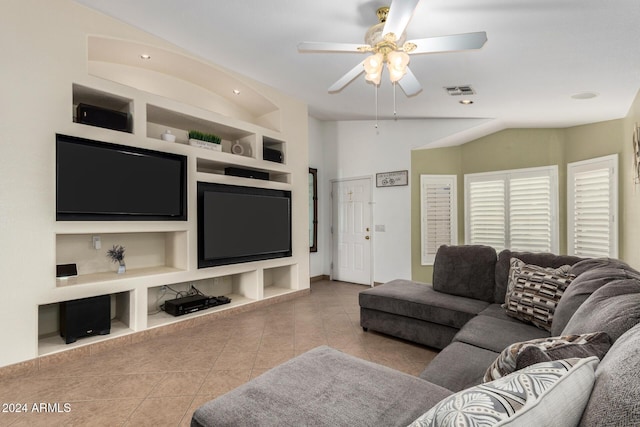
[514, 209]
[438, 212]
[592, 207]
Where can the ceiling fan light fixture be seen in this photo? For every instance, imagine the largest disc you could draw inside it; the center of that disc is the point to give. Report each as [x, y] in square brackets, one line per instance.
[373, 68]
[397, 64]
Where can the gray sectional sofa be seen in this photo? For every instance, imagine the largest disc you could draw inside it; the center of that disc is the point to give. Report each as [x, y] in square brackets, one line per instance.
[462, 314]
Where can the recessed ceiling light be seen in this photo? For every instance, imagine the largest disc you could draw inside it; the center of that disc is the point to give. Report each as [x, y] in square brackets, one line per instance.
[584, 95]
[145, 56]
[236, 92]
[466, 102]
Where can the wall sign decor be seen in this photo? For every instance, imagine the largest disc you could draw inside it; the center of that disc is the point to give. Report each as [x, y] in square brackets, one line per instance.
[392, 179]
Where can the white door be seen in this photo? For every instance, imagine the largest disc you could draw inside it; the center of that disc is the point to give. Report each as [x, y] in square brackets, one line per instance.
[351, 231]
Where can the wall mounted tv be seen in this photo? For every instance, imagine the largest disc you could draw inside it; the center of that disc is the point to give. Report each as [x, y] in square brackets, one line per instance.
[98, 181]
[239, 224]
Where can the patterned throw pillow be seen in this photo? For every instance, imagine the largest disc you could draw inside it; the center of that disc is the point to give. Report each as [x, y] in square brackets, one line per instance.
[520, 355]
[546, 394]
[533, 292]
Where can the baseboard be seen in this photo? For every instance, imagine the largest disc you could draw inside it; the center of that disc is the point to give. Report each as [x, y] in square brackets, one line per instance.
[319, 278]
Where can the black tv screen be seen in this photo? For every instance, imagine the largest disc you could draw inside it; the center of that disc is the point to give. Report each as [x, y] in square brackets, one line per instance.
[240, 224]
[98, 181]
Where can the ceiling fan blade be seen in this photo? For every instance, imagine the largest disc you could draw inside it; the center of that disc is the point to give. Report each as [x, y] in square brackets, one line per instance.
[449, 43]
[347, 78]
[400, 13]
[410, 84]
[329, 47]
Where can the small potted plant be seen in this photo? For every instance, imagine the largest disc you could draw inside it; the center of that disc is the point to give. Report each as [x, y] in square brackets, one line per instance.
[116, 254]
[205, 140]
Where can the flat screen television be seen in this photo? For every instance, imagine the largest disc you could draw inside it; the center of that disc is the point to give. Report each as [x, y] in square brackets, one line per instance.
[240, 224]
[99, 181]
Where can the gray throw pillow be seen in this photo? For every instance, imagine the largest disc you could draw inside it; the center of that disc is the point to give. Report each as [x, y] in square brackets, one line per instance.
[614, 308]
[534, 258]
[586, 346]
[533, 292]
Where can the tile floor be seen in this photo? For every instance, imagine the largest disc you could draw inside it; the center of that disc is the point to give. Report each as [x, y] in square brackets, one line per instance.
[160, 382]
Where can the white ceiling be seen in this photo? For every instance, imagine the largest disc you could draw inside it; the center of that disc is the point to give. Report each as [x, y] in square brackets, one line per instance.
[539, 53]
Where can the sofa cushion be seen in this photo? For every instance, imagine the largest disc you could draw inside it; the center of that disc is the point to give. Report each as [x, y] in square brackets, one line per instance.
[522, 354]
[614, 308]
[458, 366]
[533, 292]
[592, 263]
[465, 270]
[421, 301]
[616, 392]
[408, 328]
[540, 259]
[323, 387]
[581, 288]
[498, 311]
[546, 394]
[496, 334]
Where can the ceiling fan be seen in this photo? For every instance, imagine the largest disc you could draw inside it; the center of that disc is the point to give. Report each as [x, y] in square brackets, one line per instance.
[386, 41]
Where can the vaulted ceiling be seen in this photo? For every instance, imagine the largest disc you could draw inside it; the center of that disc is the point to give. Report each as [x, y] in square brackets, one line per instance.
[547, 63]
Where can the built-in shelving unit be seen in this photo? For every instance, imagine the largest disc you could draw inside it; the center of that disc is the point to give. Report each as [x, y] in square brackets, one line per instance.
[161, 256]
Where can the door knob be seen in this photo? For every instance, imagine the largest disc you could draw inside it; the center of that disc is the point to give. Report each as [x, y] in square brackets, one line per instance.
[367, 237]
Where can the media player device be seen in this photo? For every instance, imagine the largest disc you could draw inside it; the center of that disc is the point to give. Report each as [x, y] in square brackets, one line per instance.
[246, 173]
[192, 303]
[102, 117]
[66, 270]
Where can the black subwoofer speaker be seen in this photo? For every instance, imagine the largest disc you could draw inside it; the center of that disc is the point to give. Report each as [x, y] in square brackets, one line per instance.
[85, 317]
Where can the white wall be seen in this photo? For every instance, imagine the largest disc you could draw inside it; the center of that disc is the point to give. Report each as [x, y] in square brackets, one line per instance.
[347, 149]
[316, 160]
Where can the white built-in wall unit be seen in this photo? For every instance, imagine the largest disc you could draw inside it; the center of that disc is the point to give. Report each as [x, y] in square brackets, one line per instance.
[68, 55]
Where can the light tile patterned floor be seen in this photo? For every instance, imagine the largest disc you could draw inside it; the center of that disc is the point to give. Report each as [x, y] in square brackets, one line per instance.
[160, 382]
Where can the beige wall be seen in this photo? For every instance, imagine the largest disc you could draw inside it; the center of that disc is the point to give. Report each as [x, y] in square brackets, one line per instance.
[630, 191]
[523, 148]
[437, 161]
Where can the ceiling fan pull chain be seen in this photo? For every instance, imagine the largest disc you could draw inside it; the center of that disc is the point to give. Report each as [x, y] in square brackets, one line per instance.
[395, 113]
[376, 100]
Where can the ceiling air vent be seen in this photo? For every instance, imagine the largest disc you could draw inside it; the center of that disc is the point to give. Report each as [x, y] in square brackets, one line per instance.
[459, 90]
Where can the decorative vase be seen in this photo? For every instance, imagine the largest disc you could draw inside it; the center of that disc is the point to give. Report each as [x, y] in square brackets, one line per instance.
[122, 268]
[168, 136]
[238, 149]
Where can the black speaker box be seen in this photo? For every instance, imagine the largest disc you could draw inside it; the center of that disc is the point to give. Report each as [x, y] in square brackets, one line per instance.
[102, 117]
[85, 317]
[246, 173]
[272, 155]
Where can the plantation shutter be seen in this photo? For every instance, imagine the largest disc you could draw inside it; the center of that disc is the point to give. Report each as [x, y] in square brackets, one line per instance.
[486, 213]
[514, 209]
[438, 214]
[530, 214]
[592, 207]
